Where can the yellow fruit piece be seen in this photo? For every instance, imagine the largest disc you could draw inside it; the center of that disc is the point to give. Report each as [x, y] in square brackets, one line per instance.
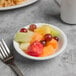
[24, 46]
[44, 29]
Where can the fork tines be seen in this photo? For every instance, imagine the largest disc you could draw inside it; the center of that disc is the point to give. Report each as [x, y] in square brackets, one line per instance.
[4, 50]
[7, 57]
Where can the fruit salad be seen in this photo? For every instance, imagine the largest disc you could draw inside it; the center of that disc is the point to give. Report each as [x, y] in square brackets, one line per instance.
[38, 41]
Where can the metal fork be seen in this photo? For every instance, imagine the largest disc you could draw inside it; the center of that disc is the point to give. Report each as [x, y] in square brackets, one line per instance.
[7, 57]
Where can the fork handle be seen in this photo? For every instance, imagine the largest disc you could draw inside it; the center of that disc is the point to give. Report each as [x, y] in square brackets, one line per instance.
[15, 69]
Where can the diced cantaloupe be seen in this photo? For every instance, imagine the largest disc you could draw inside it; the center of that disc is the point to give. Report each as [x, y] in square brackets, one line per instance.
[36, 37]
[53, 43]
[47, 50]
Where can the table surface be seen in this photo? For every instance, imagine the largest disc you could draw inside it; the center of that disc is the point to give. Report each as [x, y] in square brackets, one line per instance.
[45, 11]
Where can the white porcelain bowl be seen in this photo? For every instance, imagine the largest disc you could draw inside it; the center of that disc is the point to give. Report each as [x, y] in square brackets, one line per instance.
[62, 45]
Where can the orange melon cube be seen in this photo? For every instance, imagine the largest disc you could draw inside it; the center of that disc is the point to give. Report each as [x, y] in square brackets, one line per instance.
[48, 50]
[36, 37]
[53, 43]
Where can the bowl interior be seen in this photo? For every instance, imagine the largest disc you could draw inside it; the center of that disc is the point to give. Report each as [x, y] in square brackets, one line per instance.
[62, 45]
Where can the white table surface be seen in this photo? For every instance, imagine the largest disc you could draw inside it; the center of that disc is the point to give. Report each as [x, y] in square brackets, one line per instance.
[45, 11]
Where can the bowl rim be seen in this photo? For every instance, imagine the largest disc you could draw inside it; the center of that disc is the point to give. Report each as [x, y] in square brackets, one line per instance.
[48, 57]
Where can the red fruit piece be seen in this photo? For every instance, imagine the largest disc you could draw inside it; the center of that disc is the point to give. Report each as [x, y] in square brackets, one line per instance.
[48, 37]
[32, 27]
[23, 30]
[56, 38]
[35, 49]
[43, 42]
